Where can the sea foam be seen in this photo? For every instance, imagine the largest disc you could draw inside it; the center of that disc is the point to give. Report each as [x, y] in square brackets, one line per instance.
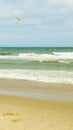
[40, 57]
[51, 76]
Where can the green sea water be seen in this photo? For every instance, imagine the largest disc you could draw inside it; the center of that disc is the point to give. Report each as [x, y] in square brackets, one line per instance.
[43, 64]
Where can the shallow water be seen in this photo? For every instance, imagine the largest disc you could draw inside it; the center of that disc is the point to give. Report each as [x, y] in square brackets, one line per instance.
[37, 96]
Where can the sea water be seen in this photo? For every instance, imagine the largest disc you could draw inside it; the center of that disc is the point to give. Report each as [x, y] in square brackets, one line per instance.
[46, 64]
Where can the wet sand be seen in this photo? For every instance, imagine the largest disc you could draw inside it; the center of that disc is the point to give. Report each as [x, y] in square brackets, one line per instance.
[37, 87]
[21, 113]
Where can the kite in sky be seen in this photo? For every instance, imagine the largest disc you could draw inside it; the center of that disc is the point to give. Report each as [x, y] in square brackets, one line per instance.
[18, 21]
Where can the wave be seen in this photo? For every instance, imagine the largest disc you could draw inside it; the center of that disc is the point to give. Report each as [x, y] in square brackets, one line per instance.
[40, 57]
[39, 75]
[64, 62]
[5, 53]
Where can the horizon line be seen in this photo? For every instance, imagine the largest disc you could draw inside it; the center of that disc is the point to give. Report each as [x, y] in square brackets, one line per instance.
[40, 46]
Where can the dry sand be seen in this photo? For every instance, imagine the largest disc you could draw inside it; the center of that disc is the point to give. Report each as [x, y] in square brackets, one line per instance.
[19, 113]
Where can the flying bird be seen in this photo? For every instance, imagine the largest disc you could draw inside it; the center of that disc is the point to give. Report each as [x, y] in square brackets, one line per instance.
[18, 20]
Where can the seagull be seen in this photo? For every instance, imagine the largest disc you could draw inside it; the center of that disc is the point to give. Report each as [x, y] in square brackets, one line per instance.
[18, 20]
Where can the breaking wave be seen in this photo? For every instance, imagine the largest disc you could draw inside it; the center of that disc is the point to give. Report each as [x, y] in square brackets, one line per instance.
[55, 56]
[51, 76]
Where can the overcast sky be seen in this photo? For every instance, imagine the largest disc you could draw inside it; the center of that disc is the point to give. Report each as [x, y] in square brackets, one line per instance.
[44, 23]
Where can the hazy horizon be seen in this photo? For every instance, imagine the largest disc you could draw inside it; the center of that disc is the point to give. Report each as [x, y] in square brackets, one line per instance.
[39, 46]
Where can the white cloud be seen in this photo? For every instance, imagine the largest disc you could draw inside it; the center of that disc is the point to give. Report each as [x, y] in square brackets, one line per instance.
[56, 12]
[8, 9]
[34, 7]
[24, 8]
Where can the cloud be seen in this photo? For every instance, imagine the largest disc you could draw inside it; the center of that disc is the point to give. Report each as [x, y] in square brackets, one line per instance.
[41, 15]
[34, 7]
[9, 9]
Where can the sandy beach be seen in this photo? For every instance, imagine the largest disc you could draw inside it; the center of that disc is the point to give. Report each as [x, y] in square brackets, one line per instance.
[18, 113]
[21, 113]
[36, 65]
[57, 89]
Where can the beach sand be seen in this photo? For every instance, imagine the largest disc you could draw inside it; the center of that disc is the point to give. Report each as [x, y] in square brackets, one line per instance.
[17, 113]
[57, 89]
[21, 113]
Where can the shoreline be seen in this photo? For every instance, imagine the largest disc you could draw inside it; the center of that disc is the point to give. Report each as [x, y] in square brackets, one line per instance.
[29, 113]
[53, 89]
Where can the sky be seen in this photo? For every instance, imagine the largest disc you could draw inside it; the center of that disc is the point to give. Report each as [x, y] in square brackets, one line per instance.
[43, 23]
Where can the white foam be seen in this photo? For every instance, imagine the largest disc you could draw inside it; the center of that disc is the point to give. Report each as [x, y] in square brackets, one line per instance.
[39, 75]
[64, 61]
[40, 57]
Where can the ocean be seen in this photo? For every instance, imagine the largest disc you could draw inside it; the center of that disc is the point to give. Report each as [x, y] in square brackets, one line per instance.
[46, 64]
